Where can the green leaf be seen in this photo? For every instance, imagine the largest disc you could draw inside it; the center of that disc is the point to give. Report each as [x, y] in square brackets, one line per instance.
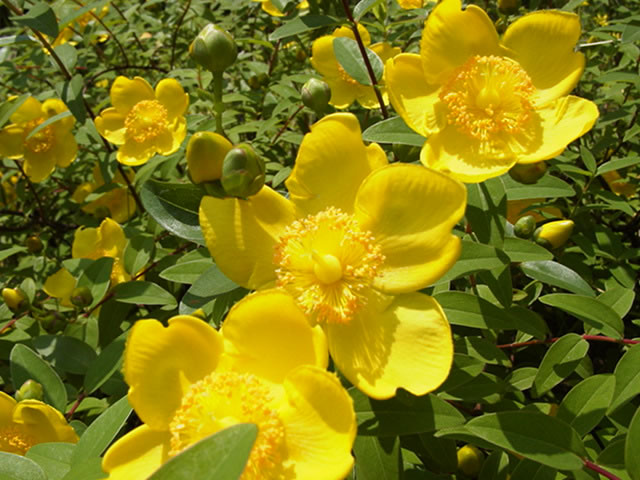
[586, 404]
[556, 274]
[588, 309]
[464, 369]
[627, 376]
[53, 458]
[348, 54]
[68, 55]
[11, 251]
[66, 20]
[27, 364]
[40, 17]
[13, 39]
[211, 284]
[70, 92]
[302, 24]
[138, 252]
[48, 122]
[631, 457]
[144, 293]
[473, 258]
[187, 272]
[363, 6]
[65, 353]
[520, 250]
[221, 455]
[102, 431]
[8, 108]
[402, 415]
[588, 159]
[393, 130]
[559, 362]
[468, 310]
[96, 278]
[546, 187]
[104, 366]
[495, 467]
[377, 458]
[484, 350]
[174, 206]
[15, 467]
[86, 469]
[522, 378]
[617, 164]
[533, 435]
[620, 299]
[487, 211]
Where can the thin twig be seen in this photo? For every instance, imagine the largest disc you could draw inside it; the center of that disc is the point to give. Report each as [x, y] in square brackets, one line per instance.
[175, 33]
[286, 124]
[33, 190]
[599, 338]
[600, 470]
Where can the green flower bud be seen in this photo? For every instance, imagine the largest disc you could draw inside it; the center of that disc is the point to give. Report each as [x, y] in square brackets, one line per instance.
[528, 173]
[52, 322]
[525, 226]
[214, 49]
[470, 460]
[242, 172]
[553, 234]
[15, 299]
[81, 297]
[34, 244]
[257, 81]
[205, 154]
[30, 390]
[316, 95]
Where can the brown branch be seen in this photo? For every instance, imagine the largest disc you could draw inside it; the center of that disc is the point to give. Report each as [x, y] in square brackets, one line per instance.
[599, 338]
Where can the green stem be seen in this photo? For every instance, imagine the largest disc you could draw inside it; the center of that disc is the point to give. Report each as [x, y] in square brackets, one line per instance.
[217, 97]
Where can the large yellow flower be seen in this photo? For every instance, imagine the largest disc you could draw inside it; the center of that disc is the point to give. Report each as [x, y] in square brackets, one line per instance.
[345, 89]
[353, 244]
[266, 366]
[118, 201]
[50, 146]
[143, 122]
[484, 102]
[29, 422]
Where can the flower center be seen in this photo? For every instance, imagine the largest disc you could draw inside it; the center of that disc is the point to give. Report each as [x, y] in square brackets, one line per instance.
[14, 439]
[146, 120]
[327, 263]
[488, 96]
[346, 77]
[42, 140]
[221, 400]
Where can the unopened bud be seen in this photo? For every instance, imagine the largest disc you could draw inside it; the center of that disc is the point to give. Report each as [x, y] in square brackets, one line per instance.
[81, 297]
[257, 81]
[214, 49]
[554, 234]
[205, 154]
[470, 460]
[34, 244]
[316, 95]
[30, 390]
[242, 172]
[525, 226]
[528, 173]
[15, 299]
[52, 322]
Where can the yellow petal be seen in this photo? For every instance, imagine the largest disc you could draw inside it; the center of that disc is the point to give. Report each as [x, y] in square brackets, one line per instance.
[120, 203]
[38, 166]
[452, 35]
[332, 162]
[12, 141]
[342, 93]
[241, 234]
[60, 285]
[271, 9]
[126, 93]
[30, 109]
[161, 362]
[205, 153]
[410, 4]
[412, 97]
[348, 32]
[65, 149]
[408, 345]
[169, 142]
[322, 57]
[53, 107]
[43, 423]
[411, 211]
[544, 43]
[385, 50]
[7, 404]
[463, 157]
[268, 335]
[320, 425]
[137, 454]
[113, 239]
[110, 124]
[134, 153]
[169, 93]
[558, 124]
[367, 97]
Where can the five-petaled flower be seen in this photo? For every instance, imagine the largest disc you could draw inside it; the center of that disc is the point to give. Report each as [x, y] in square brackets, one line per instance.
[142, 121]
[484, 102]
[352, 245]
[50, 146]
[266, 366]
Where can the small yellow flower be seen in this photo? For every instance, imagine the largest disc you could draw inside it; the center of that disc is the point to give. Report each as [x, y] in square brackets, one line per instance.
[350, 247]
[486, 103]
[271, 9]
[60, 285]
[555, 233]
[410, 4]
[78, 25]
[266, 366]
[14, 298]
[345, 89]
[29, 422]
[53, 145]
[618, 185]
[118, 201]
[143, 122]
[602, 19]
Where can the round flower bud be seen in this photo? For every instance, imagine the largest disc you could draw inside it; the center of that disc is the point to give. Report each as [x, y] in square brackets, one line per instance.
[470, 460]
[81, 297]
[52, 322]
[214, 49]
[15, 299]
[34, 244]
[525, 226]
[528, 173]
[30, 390]
[316, 95]
[242, 172]
[553, 234]
[205, 154]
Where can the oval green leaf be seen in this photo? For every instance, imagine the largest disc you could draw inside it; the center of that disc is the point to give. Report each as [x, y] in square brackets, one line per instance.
[16, 467]
[348, 54]
[556, 274]
[560, 361]
[586, 404]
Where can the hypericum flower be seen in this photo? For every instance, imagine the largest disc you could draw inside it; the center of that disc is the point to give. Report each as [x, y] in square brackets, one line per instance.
[60, 285]
[118, 201]
[50, 146]
[266, 366]
[107, 240]
[344, 88]
[554, 234]
[353, 243]
[29, 422]
[14, 298]
[79, 24]
[143, 122]
[410, 4]
[484, 102]
[271, 9]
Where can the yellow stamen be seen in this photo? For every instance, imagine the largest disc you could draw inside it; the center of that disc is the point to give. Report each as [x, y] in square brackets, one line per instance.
[146, 120]
[42, 141]
[346, 77]
[14, 439]
[327, 268]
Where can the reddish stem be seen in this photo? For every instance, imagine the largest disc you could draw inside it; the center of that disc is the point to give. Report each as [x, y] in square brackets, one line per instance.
[75, 406]
[599, 469]
[598, 338]
[8, 325]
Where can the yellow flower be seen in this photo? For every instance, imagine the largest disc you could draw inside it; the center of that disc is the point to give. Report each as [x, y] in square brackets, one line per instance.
[143, 122]
[27, 423]
[345, 89]
[50, 146]
[60, 285]
[14, 298]
[266, 366]
[410, 4]
[271, 9]
[618, 185]
[555, 233]
[107, 240]
[78, 25]
[118, 201]
[354, 242]
[486, 103]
